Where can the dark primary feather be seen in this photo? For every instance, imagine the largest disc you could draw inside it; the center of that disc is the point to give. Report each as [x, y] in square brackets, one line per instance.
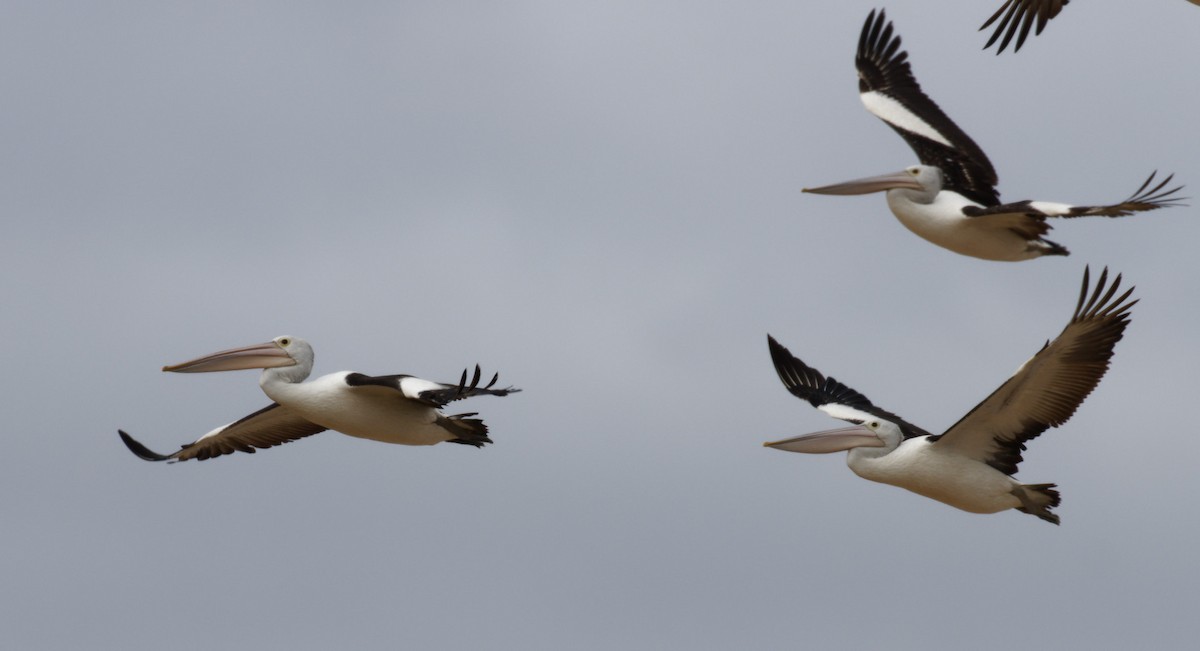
[883, 67]
[270, 426]
[1047, 389]
[807, 383]
[1146, 198]
[1019, 16]
[465, 390]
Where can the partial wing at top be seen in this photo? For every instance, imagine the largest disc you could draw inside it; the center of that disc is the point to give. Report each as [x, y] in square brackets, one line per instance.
[1048, 388]
[889, 91]
[807, 383]
[1020, 14]
[273, 425]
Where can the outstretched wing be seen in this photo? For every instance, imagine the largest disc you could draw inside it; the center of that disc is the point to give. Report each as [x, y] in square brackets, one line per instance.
[1018, 18]
[1146, 198]
[433, 394]
[1048, 388]
[273, 425]
[889, 91]
[827, 394]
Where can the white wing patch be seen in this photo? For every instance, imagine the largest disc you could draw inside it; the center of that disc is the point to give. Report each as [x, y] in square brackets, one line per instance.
[1050, 208]
[214, 432]
[412, 387]
[896, 114]
[845, 413]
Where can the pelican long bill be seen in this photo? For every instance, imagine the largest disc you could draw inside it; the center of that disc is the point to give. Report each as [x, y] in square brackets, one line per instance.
[901, 179]
[265, 355]
[829, 441]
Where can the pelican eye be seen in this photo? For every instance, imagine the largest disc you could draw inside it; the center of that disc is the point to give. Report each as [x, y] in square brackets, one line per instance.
[284, 341]
[874, 424]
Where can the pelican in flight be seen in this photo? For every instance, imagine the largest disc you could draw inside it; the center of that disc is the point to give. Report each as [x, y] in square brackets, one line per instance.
[390, 408]
[970, 465]
[1017, 18]
[950, 199]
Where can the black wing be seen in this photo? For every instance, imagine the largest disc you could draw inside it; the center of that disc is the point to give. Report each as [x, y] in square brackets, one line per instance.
[1018, 18]
[1145, 198]
[891, 93]
[807, 383]
[273, 425]
[434, 394]
[1048, 388]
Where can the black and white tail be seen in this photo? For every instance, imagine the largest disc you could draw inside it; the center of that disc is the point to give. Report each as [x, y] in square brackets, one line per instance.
[467, 430]
[1038, 499]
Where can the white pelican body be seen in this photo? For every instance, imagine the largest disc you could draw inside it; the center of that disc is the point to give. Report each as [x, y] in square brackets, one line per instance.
[940, 219]
[927, 469]
[393, 408]
[971, 465]
[363, 412]
[950, 199]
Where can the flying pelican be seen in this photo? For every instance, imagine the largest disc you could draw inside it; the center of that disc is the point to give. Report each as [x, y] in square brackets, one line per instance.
[970, 465]
[951, 199]
[1020, 14]
[390, 408]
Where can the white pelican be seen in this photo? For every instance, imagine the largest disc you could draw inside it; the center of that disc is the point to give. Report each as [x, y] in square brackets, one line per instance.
[970, 465]
[951, 199]
[1020, 15]
[390, 408]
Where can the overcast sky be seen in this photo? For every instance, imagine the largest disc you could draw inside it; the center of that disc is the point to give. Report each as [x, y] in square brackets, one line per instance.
[601, 201]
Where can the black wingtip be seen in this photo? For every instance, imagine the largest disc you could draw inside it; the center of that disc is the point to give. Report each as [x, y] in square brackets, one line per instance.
[1101, 303]
[876, 38]
[1158, 196]
[781, 358]
[798, 378]
[141, 451]
[1019, 18]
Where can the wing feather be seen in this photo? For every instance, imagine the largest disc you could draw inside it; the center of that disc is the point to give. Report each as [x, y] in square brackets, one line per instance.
[807, 383]
[1047, 389]
[1018, 18]
[1147, 197]
[434, 394]
[270, 426]
[891, 92]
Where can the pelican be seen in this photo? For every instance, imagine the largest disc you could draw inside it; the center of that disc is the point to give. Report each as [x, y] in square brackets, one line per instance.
[950, 199]
[390, 408]
[1020, 15]
[970, 465]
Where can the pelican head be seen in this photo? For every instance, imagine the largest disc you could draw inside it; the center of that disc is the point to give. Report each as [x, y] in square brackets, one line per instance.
[293, 356]
[919, 183]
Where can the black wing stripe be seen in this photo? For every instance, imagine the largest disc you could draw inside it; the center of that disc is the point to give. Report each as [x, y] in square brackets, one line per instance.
[809, 384]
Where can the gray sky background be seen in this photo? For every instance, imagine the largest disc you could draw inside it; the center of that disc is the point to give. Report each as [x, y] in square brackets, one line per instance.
[602, 202]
